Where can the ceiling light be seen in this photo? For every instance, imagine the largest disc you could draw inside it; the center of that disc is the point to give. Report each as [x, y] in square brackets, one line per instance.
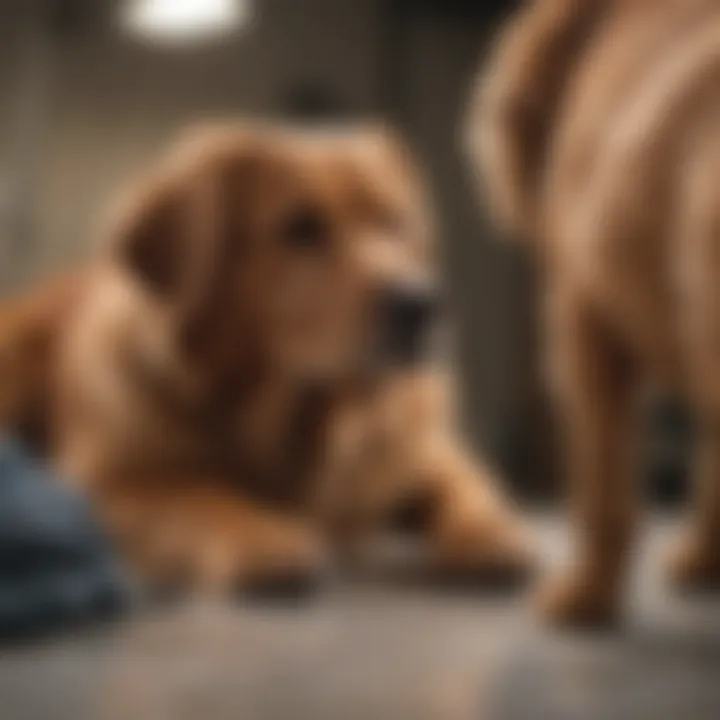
[184, 20]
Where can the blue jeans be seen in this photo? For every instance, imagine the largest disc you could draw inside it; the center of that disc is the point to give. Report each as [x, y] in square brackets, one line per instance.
[56, 566]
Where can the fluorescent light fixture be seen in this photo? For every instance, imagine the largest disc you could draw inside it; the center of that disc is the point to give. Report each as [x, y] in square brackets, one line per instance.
[180, 21]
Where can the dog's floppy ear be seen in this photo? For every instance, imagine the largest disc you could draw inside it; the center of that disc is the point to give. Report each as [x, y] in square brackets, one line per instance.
[176, 233]
[148, 234]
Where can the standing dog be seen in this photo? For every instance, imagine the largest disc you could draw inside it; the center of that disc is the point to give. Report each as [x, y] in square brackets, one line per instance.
[243, 370]
[596, 128]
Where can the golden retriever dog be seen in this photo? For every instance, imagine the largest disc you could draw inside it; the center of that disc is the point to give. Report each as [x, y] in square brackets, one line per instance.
[242, 382]
[595, 127]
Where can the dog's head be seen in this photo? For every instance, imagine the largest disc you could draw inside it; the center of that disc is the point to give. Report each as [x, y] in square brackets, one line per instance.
[307, 251]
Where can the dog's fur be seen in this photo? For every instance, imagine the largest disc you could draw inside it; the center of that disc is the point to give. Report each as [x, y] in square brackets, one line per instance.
[595, 127]
[29, 332]
[213, 382]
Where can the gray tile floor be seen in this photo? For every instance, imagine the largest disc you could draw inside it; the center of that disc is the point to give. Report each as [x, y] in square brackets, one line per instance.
[371, 650]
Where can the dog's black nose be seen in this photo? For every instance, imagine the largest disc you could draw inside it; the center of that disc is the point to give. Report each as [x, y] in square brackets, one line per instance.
[408, 311]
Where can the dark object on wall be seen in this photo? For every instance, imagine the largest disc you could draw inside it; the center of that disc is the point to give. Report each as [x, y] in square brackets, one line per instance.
[312, 102]
[68, 17]
[56, 567]
[398, 17]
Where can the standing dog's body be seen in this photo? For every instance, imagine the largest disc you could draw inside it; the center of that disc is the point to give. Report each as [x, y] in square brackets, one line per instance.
[596, 127]
[243, 365]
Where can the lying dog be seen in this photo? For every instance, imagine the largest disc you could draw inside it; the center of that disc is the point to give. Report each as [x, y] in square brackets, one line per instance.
[243, 372]
[596, 129]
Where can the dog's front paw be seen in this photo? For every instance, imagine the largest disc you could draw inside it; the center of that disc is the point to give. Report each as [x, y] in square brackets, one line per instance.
[282, 565]
[252, 555]
[576, 599]
[479, 551]
[694, 565]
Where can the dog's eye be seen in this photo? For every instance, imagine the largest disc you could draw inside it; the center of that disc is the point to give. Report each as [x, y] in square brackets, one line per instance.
[305, 230]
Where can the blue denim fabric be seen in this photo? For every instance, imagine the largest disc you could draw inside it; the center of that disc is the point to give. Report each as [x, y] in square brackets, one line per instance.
[57, 568]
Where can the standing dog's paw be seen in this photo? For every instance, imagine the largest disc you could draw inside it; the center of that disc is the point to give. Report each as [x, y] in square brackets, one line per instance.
[574, 599]
[694, 565]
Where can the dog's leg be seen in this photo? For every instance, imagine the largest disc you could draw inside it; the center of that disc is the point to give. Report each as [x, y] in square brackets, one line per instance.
[199, 534]
[408, 469]
[472, 530]
[695, 563]
[594, 393]
[444, 496]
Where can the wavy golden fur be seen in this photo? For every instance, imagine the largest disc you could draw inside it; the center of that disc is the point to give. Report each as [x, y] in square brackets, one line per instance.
[214, 387]
[595, 129]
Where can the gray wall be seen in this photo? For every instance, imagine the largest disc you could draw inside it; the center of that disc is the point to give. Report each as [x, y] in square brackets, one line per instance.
[117, 101]
[488, 279]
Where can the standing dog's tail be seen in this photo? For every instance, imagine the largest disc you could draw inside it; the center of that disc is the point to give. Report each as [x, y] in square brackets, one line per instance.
[517, 101]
